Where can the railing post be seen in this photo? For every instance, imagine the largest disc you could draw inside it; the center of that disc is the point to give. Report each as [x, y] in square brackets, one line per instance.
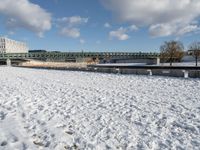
[158, 61]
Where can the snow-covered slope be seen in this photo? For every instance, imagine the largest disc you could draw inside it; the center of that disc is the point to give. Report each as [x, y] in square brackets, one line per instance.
[42, 109]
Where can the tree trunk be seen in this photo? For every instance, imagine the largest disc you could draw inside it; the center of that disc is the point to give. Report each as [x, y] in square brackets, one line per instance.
[170, 62]
[196, 58]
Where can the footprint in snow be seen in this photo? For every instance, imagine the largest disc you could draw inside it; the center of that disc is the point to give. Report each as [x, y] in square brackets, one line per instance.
[13, 138]
[4, 143]
[2, 115]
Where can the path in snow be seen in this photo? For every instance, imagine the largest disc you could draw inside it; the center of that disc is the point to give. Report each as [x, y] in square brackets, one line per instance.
[46, 109]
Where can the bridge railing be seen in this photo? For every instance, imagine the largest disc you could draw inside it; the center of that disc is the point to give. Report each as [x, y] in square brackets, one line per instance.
[66, 55]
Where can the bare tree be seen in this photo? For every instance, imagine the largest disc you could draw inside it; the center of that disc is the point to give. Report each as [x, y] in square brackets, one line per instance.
[171, 51]
[195, 49]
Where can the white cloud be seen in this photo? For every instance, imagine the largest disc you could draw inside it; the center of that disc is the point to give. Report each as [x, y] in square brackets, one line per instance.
[170, 17]
[133, 28]
[70, 26]
[73, 20]
[24, 14]
[187, 29]
[82, 41]
[107, 25]
[70, 32]
[160, 30]
[119, 34]
[122, 32]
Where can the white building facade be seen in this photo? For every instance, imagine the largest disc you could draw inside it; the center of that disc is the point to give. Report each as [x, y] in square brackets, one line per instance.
[12, 46]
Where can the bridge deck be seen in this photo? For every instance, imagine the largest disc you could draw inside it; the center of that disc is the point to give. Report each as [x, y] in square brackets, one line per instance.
[74, 55]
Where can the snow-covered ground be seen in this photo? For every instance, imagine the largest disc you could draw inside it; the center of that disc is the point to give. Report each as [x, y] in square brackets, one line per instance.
[122, 64]
[56, 110]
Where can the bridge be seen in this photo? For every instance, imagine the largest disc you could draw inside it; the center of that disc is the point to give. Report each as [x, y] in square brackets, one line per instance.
[74, 56]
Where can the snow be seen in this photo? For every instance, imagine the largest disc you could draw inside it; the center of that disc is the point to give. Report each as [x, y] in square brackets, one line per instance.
[47, 109]
[122, 64]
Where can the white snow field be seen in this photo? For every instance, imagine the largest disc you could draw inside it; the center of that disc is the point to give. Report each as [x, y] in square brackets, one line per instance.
[58, 110]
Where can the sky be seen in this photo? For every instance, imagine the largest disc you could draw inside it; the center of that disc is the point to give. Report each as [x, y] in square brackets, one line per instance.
[100, 25]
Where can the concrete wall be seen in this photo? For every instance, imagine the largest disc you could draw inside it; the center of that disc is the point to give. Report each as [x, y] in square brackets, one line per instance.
[194, 74]
[152, 72]
[134, 71]
[156, 72]
[147, 61]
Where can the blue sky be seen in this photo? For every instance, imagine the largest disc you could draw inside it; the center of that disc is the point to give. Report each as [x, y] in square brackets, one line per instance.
[100, 25]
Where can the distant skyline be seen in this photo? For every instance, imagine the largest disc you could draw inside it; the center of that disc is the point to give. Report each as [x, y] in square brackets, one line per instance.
[100, 25]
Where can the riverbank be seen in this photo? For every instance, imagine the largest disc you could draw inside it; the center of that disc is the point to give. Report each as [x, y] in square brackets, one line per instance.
[163, 70]
[42, 64]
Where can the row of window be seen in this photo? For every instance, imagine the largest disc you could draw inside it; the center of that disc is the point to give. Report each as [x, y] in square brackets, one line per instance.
[2, 40]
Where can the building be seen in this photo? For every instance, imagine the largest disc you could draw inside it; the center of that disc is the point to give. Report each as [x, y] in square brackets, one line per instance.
[12, 46]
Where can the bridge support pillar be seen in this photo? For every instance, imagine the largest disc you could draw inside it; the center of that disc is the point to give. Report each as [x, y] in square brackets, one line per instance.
[118, 71]
[150, 72]
[8, 62]
[186, 73]
[158, 61]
